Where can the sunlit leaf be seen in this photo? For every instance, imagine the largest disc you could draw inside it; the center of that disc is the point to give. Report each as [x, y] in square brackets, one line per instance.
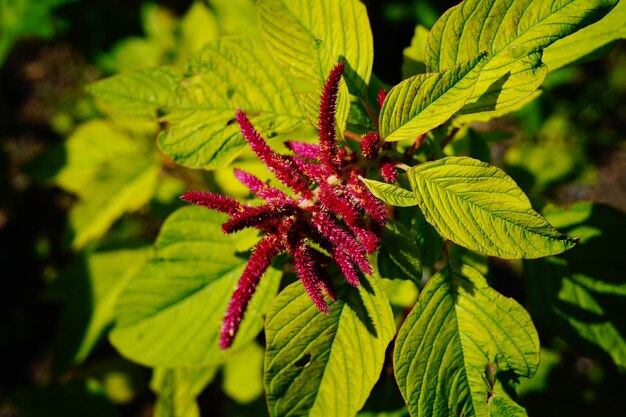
[110, 171]
[481, 208]
[198, 27]
[587, 40]
[425, 101]
[309, 37]
[243, 374]
[390, 193]
[122, 185]
[237, 17]
[514, 33]
[459, 334]
[199, 105]
[313, 358]
[171, 312]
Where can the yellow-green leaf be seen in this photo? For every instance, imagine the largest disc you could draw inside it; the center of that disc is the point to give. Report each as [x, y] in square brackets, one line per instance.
[390, 193]
[312, 358]
[310, 36]
[514, 32]
[480, 207]
[584, 42]
[199, 106]
[171, 312]
[243, 374]
[425, 101]
[457, 345]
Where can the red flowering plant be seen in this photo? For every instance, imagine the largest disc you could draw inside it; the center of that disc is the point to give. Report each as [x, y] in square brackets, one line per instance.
[330, 207]
[394, 195]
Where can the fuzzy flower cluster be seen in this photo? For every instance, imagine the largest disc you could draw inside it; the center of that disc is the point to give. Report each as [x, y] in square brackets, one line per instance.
[330, 207]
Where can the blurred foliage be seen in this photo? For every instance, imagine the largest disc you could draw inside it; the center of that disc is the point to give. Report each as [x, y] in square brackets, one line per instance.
[26, 18]
[69, 247]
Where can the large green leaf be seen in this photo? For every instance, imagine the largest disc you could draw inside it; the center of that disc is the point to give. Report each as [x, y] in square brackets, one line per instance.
[458, 334]
[325, 365]
[90, 289]
[111, 172]
[587, 40]
[478, 206]
[310, 36]
[514, 32]
[177, 390]
[390, 193]
[122, 185]
[199, 105]
[425, 101]
[243, 374]
[170, 313]
[75, 163]
[580, 294]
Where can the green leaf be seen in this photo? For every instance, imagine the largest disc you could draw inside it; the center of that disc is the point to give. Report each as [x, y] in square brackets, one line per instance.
[587, 40]
[198, 27]
[237, 17]
[399, 255]
[243, 374]
[90, 289]
[171, 312]
[514, 33]
[459, 330]
[310, 36]
[110, 171]
[74, 164]
[177, 390]
[312, 359]
[425, 101]
[580, 294]
[122, 185]
[413, 55]
[478, 206]
[199, 106]
[390, 193]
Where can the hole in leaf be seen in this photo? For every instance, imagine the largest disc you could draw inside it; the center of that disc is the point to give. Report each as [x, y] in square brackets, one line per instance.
[303, 362]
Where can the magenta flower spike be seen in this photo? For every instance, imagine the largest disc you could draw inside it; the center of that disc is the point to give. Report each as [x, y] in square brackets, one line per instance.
[326, 120]
[330, 207]
[370, 145]
[388, 171]
[278, 164]
[304, 150]
[261, 259]
[382, 95]
[261, 189]
[213, 201]
[305, 268]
